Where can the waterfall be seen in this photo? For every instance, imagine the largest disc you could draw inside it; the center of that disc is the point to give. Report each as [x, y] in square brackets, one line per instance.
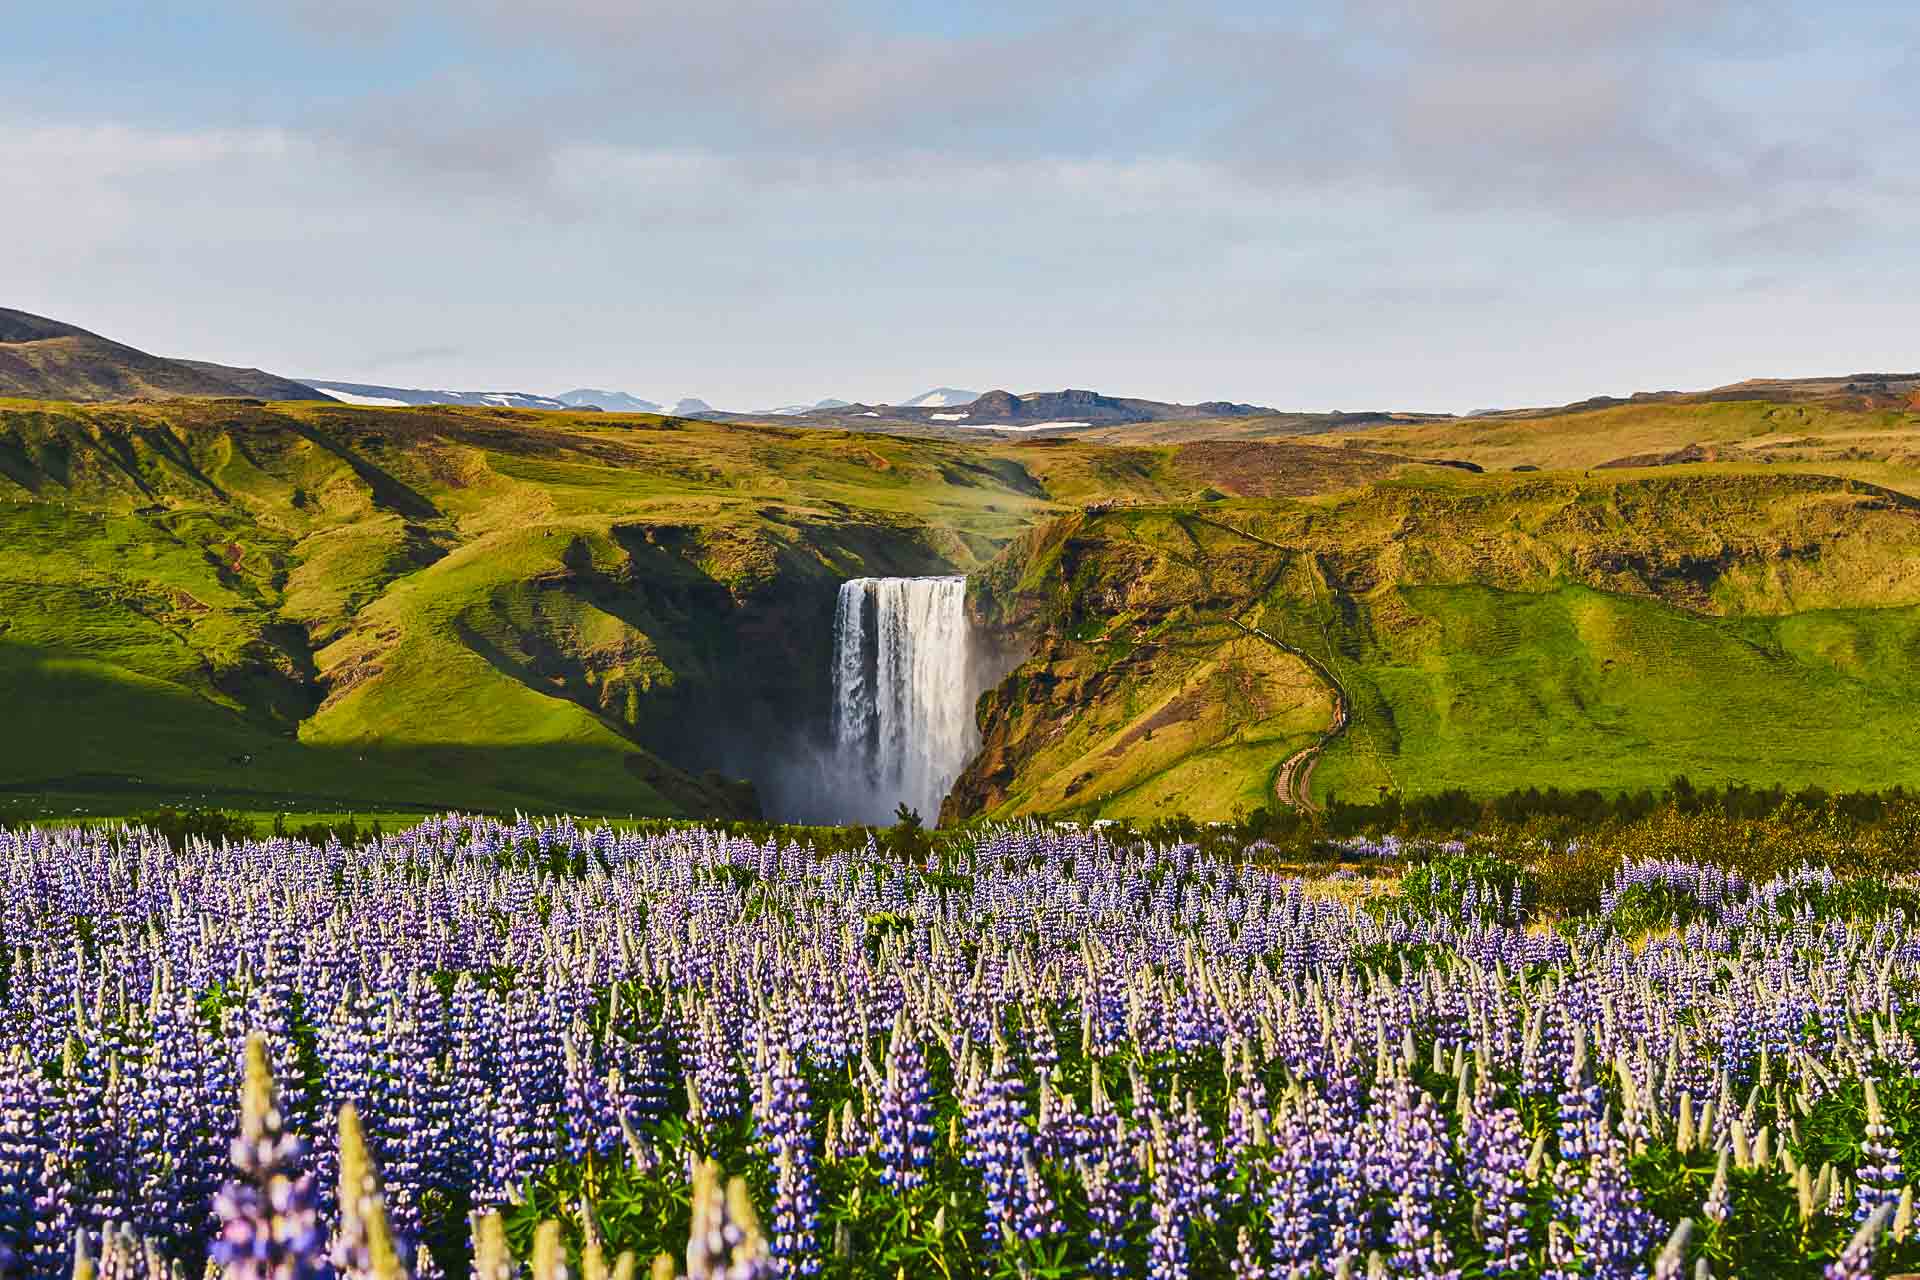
[904, 685]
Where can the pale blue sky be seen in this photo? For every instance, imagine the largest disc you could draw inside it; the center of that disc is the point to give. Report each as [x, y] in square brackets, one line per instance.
[1443, 204]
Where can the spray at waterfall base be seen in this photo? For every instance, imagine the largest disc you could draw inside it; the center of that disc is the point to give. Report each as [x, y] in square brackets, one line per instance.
[907, 671]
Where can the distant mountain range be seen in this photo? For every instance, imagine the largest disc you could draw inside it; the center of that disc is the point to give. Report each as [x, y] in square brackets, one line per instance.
[941, 398]
[376, 396]
[790, 410]
[42, 359]
[610, 401]
[51, 360]
[45, 359]
[1857, 390]
[589, 399]
[1034, 411]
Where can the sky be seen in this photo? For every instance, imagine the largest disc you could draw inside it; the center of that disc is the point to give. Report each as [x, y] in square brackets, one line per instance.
[1327, 204]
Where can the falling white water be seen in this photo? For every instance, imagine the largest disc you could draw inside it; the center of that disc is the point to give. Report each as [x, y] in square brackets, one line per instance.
[904, 685]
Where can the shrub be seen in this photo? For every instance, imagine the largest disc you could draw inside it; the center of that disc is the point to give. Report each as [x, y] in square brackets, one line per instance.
[1465, 887]
[180, 825]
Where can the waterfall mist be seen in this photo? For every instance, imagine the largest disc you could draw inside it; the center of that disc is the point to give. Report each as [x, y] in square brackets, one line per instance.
[905, 676]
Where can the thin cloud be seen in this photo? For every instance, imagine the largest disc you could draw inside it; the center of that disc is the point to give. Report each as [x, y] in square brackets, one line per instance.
[410, 356]
[1284, 204]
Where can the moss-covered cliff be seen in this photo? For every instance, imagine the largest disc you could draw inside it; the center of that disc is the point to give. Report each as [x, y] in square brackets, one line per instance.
[1492, 632]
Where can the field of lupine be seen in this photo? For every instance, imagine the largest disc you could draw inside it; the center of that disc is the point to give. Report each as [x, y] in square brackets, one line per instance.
[1040, 1054]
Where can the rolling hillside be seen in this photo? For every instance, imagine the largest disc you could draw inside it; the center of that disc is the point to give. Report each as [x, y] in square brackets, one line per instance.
[320, 606]
[1490, 632]
[323, 606]
[49, 360]
[1866, 426]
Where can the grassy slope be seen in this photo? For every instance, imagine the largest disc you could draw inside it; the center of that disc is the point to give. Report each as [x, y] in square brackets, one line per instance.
[85, 367]
[1493, 631]
[397, 608]
[1785, 433]
[1835, 436]
[1183, 720]
[1486, 690]
[377, 608]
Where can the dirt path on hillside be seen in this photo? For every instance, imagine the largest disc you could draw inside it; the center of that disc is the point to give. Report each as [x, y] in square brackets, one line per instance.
[1293, 781]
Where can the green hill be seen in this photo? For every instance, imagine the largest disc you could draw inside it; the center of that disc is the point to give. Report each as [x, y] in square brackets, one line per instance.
[46, 359]
[1490, 632]
[319, 607]
[323, 607]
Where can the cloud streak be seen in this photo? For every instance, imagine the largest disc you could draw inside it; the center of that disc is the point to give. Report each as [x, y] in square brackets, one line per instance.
[1345, 202]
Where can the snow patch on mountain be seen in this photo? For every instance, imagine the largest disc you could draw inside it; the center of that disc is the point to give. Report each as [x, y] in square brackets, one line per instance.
[789, 410]
[611, 401]
[366, 402]
[392, 397]
[941, 398]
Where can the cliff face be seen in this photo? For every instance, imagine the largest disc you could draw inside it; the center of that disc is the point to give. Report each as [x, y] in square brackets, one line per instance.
[1149, 688]
[330, 607]
[1135, 677]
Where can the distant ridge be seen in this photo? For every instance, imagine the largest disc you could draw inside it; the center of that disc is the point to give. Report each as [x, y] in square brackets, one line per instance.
[376, 396]
[611, 401]
[1040, 409]
[791, 410]
[1853, 390]
[258, 383]
[42, 359]
[940, 398]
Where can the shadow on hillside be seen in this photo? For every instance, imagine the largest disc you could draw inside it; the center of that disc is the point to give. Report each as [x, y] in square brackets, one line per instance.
[90, 728]
[388, 491]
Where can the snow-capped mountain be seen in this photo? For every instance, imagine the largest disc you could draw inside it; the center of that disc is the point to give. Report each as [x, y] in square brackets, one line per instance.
[939, 398]
[788, 410]
[367, 393]
[611, 401]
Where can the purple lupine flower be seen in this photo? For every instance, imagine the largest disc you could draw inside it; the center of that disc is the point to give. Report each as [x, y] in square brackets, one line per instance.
[1879, 1173]
[1184, 1182]
[1246, 1259]
[785, 1122]
[716, 1069]
[409, 1132]
[471, 1069]
[1167, 1256]
[1856, 1260]
[25, 1150]
[269, 1228]
[365, 1247]
[1718, 1206]
[582, 1093]
[998, 1139]
[644, 1070]
[1612, 1232]
[1106, 1189]
[1672, 1262]
[1297, 1182]
[1422, 1169]
[1039, 1212]
[523, 1117]
[1110, 1179]
[725, 1242]
[1496, 1158]
[91, 1087]
[904, 1123]
[178, 1205]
